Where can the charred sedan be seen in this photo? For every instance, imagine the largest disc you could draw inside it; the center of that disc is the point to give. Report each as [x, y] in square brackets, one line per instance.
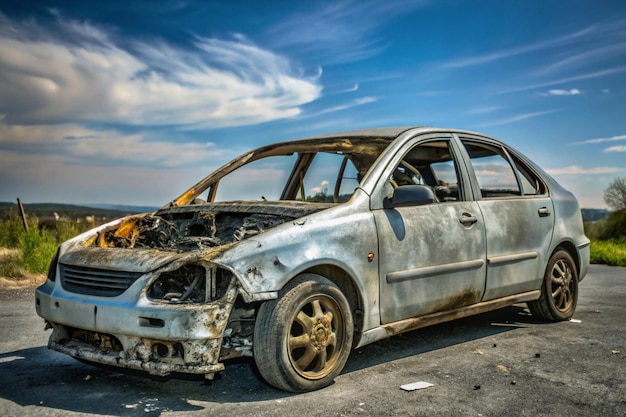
[298, 252]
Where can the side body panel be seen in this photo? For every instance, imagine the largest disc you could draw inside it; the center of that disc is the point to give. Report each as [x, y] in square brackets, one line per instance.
[518, 241]
[518, 228]
[430, 261]
[341, 237]
[431, 258]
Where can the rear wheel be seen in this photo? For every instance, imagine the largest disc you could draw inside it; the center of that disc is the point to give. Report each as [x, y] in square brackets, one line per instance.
[559, 291]
[302, 340]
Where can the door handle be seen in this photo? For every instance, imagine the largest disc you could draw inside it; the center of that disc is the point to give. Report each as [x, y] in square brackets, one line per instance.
[467, 218]
[543, 212]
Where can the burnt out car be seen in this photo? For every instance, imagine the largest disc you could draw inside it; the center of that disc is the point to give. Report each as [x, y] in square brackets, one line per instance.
[296, 253]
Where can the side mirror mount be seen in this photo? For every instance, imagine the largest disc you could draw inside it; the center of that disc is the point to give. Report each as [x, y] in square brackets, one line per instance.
[410, 195]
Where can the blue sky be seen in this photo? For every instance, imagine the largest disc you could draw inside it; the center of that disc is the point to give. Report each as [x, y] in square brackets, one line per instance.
[132, 102]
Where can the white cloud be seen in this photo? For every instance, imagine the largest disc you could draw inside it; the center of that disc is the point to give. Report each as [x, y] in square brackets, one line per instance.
[356, 102]
[78, 73]
[517, 118]
[352, 89]
[47, 177]
[621, 148]
[484, 110]
[79, 145]
[602, 140]
[596, 43]
[594, 54]
[518, 50]
[578, 170]
[340, 31]
[586, 76]
[572, 92]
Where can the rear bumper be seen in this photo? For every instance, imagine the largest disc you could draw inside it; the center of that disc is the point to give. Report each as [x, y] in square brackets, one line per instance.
[583, 259]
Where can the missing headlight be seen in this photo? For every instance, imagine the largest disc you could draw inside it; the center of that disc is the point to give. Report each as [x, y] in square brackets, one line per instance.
[190, 284]
[52, 268]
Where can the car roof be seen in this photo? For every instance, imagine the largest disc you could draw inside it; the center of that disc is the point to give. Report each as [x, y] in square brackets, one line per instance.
[378, 132]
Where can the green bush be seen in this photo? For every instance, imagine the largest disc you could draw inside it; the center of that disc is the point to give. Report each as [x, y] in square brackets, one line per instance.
[67, 230]
[38, 248]
[11, 265]
[11, 231]
[611, 227]
[609, 252]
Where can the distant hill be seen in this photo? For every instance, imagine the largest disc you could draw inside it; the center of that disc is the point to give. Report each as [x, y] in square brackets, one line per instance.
[593, 215]
[69, 211]
[128, 209]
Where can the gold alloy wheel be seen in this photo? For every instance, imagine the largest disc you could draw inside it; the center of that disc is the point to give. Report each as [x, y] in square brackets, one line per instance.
[562, 286]
[316, 336]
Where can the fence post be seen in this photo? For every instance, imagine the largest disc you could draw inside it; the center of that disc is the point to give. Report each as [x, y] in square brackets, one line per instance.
[23, 214]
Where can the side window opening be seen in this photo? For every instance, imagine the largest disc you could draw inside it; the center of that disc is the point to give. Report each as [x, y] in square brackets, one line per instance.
[531, 185]
[330, 178]
[263, 179]
[317, 177]
[430, 164]
[445, 174]
[497, 177]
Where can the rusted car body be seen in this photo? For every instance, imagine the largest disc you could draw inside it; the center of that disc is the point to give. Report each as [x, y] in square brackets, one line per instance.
[410, 227]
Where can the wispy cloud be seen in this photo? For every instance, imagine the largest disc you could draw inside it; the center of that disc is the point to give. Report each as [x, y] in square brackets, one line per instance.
[578, 170]
[601, 140]
[354, 103]
[606, 41]
[518, 50]
[341, 31]
[584, 58]
[586, 76]
[598, 42]
[571, 92]
[80, 145]
[620, 148]
[77, 72]
[352, 89]
[484, 110]
[516, 118]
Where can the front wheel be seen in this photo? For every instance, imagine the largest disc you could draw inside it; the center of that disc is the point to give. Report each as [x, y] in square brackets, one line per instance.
[302, 340]
[559, 291]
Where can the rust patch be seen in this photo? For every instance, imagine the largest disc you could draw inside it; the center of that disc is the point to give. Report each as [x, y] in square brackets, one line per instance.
[461, 300]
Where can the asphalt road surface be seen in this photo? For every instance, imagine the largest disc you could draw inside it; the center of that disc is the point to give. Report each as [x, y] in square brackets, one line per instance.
[501, 363]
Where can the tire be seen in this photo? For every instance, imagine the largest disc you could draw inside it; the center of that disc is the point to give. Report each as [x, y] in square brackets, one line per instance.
[302, 340]
[559, 290]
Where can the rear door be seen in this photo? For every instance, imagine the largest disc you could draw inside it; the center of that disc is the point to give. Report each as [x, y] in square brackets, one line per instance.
[518, 216]
[431, 257]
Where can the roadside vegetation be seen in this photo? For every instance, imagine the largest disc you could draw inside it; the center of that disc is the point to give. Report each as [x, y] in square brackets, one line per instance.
[608, 235]
[25, 256]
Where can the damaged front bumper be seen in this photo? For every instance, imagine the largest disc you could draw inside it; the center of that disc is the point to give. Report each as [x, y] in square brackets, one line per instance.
[156, 357]
[158, 337]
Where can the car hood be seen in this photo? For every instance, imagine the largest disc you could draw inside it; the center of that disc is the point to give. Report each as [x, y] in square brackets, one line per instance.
[143, 243]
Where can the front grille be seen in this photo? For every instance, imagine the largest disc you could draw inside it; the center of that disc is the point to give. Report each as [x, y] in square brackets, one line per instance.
[93, 281]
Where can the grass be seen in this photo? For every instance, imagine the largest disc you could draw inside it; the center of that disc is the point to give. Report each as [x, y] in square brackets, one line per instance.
[609, 252]
[25, 256]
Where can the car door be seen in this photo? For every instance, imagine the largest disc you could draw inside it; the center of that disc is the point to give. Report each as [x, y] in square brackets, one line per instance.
[431, 256]
[517, 212]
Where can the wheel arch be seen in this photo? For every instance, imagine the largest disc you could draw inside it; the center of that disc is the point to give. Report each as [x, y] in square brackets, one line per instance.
[571, 249]
[347, 285]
